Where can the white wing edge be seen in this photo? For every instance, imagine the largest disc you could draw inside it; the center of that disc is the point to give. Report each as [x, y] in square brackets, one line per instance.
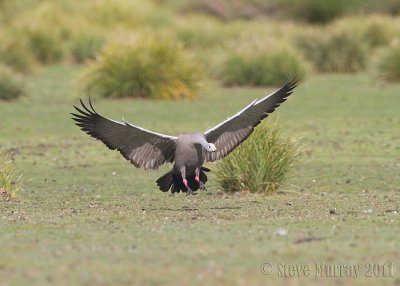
[126, 123]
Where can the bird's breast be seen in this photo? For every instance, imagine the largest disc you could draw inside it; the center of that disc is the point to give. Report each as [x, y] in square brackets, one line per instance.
[189, 156]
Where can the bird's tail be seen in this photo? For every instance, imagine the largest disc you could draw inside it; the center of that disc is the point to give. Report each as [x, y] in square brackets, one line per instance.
[173, 181]
[165, 181]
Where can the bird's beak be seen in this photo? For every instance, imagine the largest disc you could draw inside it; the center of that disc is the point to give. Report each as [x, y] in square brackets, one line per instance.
[213, 148]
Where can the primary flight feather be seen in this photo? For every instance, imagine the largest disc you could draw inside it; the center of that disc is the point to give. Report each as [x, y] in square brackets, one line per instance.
[147, 149]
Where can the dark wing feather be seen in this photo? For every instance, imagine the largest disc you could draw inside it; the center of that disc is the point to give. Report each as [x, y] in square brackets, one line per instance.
[143, 148]
[227, 135]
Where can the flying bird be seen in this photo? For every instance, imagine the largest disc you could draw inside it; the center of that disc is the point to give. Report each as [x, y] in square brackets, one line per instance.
[188, 152]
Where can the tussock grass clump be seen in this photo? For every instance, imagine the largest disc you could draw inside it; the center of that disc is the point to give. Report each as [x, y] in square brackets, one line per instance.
[391, 7]
[334, 51]
[265, 33]
[263, 64]
[143, 67]
[9, 10]
[45, 44]
[389, 64]
[206, 37]
[86, 45]
[374, 30]
[261, 163]
[229, 9]
[110, 13]
[317, 11]
[202, 31]
[376, 35]
[46, 29]
[11, 85]
[132, 13]
[15, 53]
[10, 183]
[57, 30]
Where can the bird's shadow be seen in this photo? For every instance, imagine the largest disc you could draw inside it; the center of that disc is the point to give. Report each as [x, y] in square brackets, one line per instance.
[194, 209]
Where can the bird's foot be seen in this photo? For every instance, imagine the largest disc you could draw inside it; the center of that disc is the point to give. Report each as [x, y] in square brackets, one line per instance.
[202, 186]
[190, 192]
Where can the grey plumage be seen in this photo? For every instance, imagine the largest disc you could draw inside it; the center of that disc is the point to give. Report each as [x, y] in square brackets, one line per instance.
[147, 149]
[143, 148]
[189, 153]
[230, 133]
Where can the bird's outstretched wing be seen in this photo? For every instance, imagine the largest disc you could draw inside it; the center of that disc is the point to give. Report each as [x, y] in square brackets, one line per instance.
[143, 148]
[227, 135]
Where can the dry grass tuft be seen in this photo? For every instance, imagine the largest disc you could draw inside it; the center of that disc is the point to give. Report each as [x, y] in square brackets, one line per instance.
[10, 184]
[261, 163]
[143, 67]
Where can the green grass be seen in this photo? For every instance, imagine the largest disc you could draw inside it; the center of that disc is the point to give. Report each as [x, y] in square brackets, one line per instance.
[75, 223]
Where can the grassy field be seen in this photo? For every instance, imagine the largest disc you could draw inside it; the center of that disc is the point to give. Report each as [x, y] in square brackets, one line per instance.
[86, 217]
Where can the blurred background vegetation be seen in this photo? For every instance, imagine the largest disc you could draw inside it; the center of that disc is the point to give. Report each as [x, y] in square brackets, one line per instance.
[83, 216]
[169, 48]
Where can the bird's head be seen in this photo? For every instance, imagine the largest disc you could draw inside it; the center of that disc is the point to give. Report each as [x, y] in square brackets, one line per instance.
[210, 147]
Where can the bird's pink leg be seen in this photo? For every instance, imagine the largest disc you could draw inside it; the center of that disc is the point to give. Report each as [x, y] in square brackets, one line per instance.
[197, 179]
[185, 182]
